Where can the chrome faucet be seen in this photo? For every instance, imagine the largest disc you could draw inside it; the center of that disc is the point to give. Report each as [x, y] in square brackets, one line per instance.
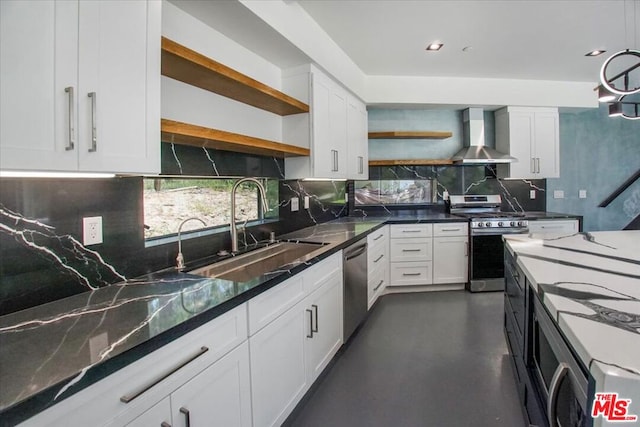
[265, 207]
[180, 258]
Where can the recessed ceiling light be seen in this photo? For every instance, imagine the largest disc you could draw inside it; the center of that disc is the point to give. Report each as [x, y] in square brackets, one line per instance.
[434, 47]
[595, 53]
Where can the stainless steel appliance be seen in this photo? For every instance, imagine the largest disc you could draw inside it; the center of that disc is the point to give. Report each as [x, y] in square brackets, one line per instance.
[560, 378]
[487, 225]
[355, 287]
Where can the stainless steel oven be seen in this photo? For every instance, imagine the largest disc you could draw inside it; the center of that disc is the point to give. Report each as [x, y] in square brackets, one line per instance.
[558, 375]
[487, 225]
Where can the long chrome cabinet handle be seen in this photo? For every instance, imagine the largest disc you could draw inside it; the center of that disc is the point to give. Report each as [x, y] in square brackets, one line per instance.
[187, 416]
[533, 165]
[94, 131]
[411, 250]
[411, 231]
[360, 164]
[538, 163]
[552, 400]
[450, 229]
[334, 160]
[310, 334]
[315, 309]
[379, 284]
[379, 237]
[379, 258]
[165, 424]
[72, 126]
[129, 397]
[411, 274]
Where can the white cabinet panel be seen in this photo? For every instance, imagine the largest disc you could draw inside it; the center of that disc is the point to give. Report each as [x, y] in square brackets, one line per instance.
[357, 142]
[450, 259]
[38, 60]
[325, 307]
[278, 375]
[267, 306]
[411, 273]
[219, 395]
[411, 231]
[451, 229]
[532, 136]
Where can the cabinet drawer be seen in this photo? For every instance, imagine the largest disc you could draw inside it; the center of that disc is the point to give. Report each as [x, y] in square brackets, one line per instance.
[410, 273]
[411, 231]
[377, 256]
[451, 229]
[378, 237]
[410, 250]
[163, 371]
[314, 276]
[264, 308]
[554, 226]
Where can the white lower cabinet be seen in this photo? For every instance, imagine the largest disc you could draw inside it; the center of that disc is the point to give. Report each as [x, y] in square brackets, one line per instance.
[410, 254]
[278, 375]
[289, 353]
[450, 253]
[377, 264]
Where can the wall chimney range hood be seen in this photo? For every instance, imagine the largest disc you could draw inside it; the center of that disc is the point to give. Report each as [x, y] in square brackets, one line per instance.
[475, 151]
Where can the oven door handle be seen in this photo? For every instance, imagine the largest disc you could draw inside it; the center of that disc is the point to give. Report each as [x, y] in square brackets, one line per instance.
[561, 371]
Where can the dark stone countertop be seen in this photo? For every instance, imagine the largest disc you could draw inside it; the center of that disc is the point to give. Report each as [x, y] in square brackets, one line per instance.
[45, 353]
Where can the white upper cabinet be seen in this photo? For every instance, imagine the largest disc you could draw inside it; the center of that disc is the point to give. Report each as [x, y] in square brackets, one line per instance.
[357, 142]
[80, 86]
[334, 130]
[532, 136]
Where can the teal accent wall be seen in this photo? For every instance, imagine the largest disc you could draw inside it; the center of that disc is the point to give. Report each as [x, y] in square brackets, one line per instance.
[597, 154]
[420, 120]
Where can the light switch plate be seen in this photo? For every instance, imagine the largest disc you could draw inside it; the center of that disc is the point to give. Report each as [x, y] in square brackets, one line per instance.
[532, 194]
[306, 202]
[295, 204]
[91, 230]
[582, 194]
[558, 194]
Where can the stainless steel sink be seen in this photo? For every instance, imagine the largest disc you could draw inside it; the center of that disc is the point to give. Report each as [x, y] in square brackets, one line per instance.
[256, 263]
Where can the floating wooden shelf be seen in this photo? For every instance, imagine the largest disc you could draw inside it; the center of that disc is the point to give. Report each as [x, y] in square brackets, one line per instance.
[199, 136]
[410, 135]
[191, 67]
[411, 162]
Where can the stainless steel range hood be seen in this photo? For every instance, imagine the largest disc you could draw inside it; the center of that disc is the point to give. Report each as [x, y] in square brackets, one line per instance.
[474, 150]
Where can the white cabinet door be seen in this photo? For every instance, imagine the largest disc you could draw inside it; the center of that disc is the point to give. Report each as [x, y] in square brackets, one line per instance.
[521, 140]
[158, 415]
[119, 86]
[218, 396]
[547, 145]
[278, 376]
[38, 60]
[357, 142]
[450, 259]
[324, 308]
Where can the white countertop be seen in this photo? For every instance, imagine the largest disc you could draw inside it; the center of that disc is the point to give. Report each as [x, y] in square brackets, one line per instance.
[590, 284]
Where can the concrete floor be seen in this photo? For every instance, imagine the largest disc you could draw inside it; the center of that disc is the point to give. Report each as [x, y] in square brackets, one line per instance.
[422, 359]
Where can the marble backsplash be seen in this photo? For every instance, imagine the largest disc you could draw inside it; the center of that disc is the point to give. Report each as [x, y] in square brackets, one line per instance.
[42, 258]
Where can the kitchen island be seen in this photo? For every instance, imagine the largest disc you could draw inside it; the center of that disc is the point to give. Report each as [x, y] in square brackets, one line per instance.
[589, 284]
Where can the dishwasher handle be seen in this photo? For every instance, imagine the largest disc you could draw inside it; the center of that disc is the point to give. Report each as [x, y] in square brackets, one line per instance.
[355, 252]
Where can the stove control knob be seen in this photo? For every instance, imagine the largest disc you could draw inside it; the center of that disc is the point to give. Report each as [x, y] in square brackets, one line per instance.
[480, 224]
[512, 223]
[521, 224]
[500, 223]
[487, 224]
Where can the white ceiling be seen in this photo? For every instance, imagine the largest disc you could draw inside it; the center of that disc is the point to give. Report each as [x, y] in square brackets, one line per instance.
[535, 39]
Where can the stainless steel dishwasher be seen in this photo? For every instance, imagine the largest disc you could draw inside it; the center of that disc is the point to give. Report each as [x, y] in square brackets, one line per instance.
[355, 286]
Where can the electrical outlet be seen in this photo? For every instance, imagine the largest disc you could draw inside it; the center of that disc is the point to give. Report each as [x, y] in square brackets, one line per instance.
[532, 194]
[92, 230]
[295, 204]
[558, 194]
[582, 194]
[306, 202]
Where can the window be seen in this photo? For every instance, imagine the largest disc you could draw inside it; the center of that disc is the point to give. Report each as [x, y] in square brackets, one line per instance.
[169, 201]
